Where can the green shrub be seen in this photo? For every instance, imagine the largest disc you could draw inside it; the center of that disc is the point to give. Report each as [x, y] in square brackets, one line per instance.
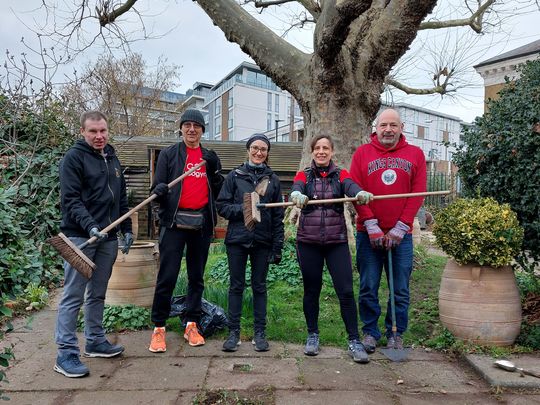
[501, 151]
[122, 317]
[479, 231]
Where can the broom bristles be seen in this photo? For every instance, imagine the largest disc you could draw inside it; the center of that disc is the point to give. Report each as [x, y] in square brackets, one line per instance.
[72, 254]
[252, 215]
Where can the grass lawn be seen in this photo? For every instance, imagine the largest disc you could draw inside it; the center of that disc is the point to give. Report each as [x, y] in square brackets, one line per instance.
[285, 316]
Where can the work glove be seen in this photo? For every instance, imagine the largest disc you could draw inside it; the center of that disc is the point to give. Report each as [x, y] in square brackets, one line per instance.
[161, 189]
[274, 258]
[395, 235]
[299, 199]
[101, 236]
[212, 161]
[128, 241]
[376, 235]
[363, 197]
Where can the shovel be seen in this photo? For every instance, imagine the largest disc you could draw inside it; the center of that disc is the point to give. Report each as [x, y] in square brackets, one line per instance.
[393, 353]
[509, 366]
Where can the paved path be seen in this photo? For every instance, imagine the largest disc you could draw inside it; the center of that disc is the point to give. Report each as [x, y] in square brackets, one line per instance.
[283, 375]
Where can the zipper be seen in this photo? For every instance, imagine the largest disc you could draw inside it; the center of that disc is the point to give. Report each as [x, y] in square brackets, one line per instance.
[178, 202]
[109, 187]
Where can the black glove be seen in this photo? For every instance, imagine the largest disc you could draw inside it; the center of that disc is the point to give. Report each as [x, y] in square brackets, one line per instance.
[101, 236]
[274, 258]
[128, 241]
[212, 161]
[161, 189]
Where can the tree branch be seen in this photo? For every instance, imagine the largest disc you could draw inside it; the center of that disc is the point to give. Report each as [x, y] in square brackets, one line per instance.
[438, 89]
[108, 17]
[272, 53]
[333, 26]
[475, 21]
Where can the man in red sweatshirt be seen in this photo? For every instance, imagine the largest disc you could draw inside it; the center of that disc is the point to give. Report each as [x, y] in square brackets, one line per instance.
[386, 165]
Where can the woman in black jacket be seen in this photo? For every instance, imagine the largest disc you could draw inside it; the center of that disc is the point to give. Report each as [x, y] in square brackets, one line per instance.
[262, 245]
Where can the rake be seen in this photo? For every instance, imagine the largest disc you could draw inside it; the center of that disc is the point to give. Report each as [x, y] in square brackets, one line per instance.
[252, 206]
[74, 255]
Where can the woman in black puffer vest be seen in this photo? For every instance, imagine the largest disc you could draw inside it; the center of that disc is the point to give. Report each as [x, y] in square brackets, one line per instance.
[262, 245]
[322, 237]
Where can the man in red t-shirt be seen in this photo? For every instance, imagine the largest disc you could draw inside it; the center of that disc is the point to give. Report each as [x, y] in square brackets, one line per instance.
[386, 165]
[192, 198]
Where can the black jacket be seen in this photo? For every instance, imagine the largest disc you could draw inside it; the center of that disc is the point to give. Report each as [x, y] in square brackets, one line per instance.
[170, 165]
[93, 191]
[242, 180]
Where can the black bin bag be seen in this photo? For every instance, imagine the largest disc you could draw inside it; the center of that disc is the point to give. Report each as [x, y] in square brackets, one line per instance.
[213, 317]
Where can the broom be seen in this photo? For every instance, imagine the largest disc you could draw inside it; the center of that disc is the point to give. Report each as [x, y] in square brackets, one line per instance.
[74, 255]
[252, 206]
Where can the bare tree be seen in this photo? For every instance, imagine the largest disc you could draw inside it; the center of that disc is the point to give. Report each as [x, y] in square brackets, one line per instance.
[356, 44]
[127, 91]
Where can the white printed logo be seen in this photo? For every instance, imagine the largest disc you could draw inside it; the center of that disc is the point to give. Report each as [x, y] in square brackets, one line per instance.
[389, 177]
[197, 173]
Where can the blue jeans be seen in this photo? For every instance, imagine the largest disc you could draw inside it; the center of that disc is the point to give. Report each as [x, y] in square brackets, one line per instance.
[370, 264]
[79, 290]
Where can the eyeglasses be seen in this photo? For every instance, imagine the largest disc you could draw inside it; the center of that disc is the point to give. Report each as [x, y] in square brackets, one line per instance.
[256, 149]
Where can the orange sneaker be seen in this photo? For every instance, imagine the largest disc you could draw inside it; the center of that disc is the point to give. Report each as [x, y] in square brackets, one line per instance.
[192, 335]
[157, 344]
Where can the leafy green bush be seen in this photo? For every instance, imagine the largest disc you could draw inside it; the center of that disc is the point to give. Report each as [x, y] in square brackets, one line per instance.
[501, 152]
[7, 354]
[122, 317]
[479, 231]
[288, 270]
[33, 140]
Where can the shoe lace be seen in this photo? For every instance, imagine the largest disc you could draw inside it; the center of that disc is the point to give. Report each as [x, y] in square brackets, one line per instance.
[74, 360]
[312, 340]
[159, 335]
[356, 346]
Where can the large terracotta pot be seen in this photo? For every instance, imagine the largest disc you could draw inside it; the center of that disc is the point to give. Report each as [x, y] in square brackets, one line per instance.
[133, 278]
[480, 304]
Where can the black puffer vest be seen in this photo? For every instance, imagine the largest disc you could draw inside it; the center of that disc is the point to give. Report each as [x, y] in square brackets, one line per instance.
[322, 224]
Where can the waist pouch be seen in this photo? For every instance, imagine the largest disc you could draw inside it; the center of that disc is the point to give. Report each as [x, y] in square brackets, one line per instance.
[189, 219]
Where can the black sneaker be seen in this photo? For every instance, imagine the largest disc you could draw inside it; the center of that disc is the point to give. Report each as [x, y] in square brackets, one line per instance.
[71, 366]
[232, 342]
[357, 351]
[370, 343]
[312, 345]
[103, 349]
[260, 342]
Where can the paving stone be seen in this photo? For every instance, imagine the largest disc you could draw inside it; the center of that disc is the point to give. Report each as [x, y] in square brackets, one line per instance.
[316, 397]
[344, 374]
[39, 397]
[427, 376]
[134, 397]
[497, 377]
[172, 373]
[244, 374]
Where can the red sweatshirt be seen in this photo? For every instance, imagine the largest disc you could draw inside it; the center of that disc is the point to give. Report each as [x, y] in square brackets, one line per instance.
[401, 169]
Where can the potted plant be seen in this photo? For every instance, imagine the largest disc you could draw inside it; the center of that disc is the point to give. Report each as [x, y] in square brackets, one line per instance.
[478, 298]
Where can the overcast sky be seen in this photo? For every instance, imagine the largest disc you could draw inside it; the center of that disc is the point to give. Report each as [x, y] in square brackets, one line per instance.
[206, 56]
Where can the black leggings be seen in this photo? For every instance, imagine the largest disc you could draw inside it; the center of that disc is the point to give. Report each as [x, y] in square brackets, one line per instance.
[311, 258]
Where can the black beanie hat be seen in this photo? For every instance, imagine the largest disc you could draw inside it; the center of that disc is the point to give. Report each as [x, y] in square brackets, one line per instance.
[193, 116]
[258, 137]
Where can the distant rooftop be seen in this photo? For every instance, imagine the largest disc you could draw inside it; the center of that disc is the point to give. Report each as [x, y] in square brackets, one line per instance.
[525, 50]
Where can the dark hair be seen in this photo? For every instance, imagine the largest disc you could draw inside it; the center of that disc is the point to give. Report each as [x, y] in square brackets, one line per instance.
[93, 115]
[317, 138]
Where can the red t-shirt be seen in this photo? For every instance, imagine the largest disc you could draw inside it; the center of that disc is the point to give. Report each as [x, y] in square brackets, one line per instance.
[194, 193]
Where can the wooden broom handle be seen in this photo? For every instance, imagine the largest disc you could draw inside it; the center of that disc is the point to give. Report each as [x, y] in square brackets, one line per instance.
[142, 204]
[352, 199]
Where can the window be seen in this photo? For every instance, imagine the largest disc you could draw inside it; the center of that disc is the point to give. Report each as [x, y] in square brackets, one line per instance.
[445, 136]
[269, 101]
[420, 130]
[217, 126]
[230, 100]
[268, 121]
[218, 106]
[277, 103]
[230, 124]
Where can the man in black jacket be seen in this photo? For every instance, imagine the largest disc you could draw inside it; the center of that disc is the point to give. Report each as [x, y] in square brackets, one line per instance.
[187, 217]
[93, 194]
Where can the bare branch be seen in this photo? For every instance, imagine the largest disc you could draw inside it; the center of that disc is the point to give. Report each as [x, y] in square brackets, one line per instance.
[475, 21]
[440, 89]
[108, 17]
[310, 5]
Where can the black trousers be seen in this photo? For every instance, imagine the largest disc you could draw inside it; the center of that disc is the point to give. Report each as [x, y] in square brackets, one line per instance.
[311, 259]
[171, 246]
[237, 257]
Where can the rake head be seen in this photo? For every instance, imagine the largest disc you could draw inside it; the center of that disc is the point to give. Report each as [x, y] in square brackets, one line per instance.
[72, 254]
[252, 215]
